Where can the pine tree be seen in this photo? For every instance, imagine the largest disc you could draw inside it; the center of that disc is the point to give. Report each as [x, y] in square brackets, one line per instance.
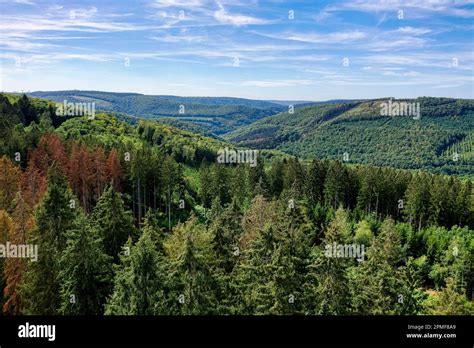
[260, 213]
[336, 185]
[254, 273]
[85, 275]
[140, 282]
[193, 285]
[270, 276]
[417, 198]
[114, 169]
[28, 112]
[6, 228]
[225, 230]
[374, 283]
[451, 302]
[9, 180]
[54, 217]
[15, 267]
[326, 287]
[411, 296]
[112, 221]
[275, 177]
[315, 182]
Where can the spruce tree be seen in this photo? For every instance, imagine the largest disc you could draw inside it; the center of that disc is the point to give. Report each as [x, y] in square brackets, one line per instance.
[140, 279]
[54, 217]
[271, 274]
[86, 271]
[112, 221]
[193, 285]
[450, 301]
[374, 283]
[326, 287]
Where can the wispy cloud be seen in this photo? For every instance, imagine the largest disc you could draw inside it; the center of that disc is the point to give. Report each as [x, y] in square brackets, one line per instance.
[413, 7]
[222, 16]
[238, 46]
[312, 37]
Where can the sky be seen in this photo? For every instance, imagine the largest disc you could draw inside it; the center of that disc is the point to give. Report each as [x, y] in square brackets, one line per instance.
[277, 50]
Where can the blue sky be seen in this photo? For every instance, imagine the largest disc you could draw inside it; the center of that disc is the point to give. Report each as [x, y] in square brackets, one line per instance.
[293, 50]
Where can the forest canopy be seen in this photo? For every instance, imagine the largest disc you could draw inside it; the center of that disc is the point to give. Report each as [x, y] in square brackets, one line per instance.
[140, 219]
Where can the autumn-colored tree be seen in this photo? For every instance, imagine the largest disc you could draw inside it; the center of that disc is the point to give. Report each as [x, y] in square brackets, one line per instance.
[9, 180]
[114, 169]
[54, 216]
[80, 174]
[99, 172]
[32, 185]
[6, 225]
[50, 149]
[15, 267]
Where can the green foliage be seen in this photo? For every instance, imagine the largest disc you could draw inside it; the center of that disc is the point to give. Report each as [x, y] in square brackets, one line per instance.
[113, 221]
[194, 237]
[139, 284]
[85, 273]
[328, 131]
[54, 217]
[217, 115]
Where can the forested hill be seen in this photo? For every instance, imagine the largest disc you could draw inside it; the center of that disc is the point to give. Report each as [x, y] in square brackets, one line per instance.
[142, 220]
[441, 140]
[23, 119]
[218, 115]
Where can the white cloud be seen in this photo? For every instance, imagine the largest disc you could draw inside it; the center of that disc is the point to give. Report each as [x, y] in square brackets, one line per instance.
[414, 31]
[224, 17]
[331, 38]
[413, 7]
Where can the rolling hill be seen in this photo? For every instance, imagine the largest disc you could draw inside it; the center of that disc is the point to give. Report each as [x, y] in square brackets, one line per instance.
[218, 115]
[440, 141]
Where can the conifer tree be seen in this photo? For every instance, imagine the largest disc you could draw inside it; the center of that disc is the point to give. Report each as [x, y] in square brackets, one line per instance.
[9, 180]
[54, 216]
[326, 289]
[451, 302]
[315, 182]
[15, 267]
[85, 274]
[374, 282]
[335, 185]
[6, 228]
[140, 279]
[192, 282]
[112, 221]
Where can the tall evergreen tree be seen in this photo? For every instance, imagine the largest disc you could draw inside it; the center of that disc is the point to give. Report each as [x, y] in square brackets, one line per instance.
[54, 216]
[112, 221]
[140, 280]
[326, 289]
[374, 282]
[193, 285]
[85, 275]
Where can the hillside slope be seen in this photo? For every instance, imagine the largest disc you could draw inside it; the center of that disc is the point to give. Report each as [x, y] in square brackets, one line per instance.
[441, 140]
[218, 115]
